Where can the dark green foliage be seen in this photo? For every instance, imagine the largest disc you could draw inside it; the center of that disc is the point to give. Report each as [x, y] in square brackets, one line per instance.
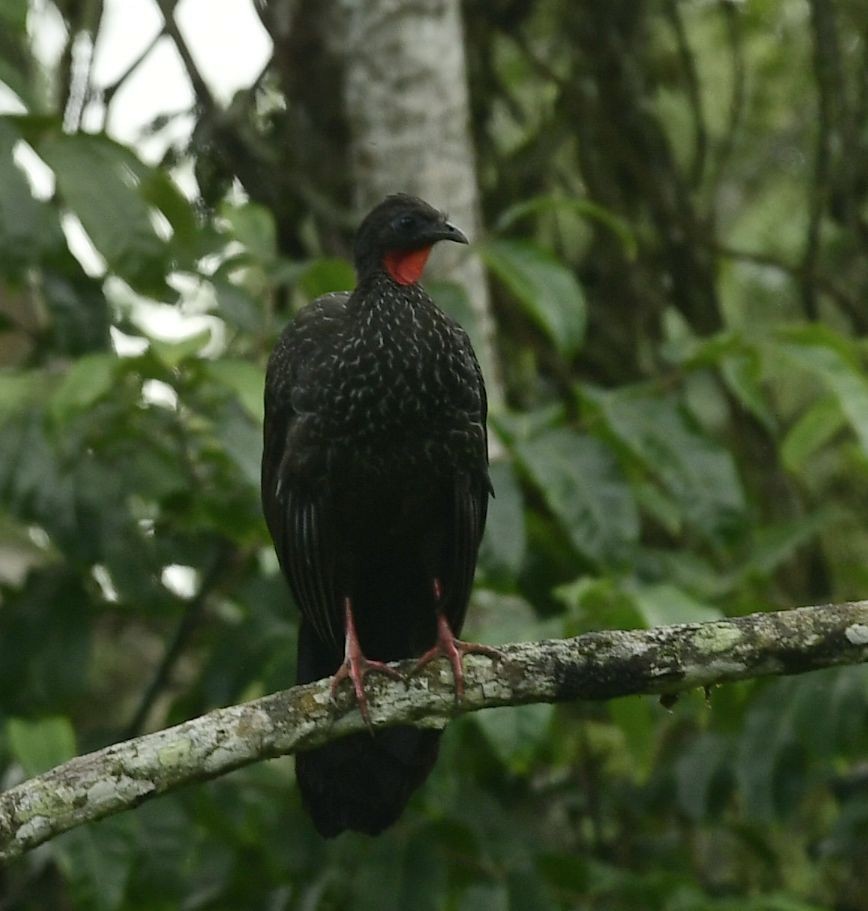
[677, 201]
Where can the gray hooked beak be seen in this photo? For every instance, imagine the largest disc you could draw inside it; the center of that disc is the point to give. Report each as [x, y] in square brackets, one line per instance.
[450, 232]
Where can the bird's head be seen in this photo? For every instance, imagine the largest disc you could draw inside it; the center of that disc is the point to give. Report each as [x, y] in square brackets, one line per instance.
[397, 235]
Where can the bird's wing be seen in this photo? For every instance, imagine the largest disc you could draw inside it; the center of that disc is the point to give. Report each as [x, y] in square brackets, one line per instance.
[297, 512]
[470, 508]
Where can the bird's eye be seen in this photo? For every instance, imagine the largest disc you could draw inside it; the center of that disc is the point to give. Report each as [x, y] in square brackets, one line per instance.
[405, 222]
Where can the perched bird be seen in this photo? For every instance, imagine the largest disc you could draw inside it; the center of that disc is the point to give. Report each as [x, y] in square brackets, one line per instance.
[375, 489]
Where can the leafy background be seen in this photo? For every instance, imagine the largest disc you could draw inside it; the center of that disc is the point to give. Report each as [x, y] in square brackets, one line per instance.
[677, 195]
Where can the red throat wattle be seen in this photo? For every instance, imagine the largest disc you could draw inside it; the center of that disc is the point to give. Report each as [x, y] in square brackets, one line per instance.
[405, 266]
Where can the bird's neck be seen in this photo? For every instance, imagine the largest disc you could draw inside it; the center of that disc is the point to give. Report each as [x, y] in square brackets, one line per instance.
[380, 295]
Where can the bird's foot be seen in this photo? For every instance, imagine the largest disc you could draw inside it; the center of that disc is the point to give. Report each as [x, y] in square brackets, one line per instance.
[447, 646]
[356, 666]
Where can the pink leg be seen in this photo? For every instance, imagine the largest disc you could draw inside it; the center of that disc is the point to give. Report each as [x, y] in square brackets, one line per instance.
[356, 666]
[447, 646]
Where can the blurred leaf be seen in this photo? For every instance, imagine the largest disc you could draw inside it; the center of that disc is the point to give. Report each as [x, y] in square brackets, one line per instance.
[527, 891]
[79, 311]
[503, 546]
[637, 718]
[96, 860]
[97, 185]
[813, 430]
[547, 290]
[246, 380]
[28, 227]
[87, 380]
[172, 353]
[41, 745]
[663, 604]
[498, 618]
[44, 652]
[324, 275]
[699, 771]
[18, 390]
[253, 226]
[239, 308]
[490, 896]
[583, 486]
[819, 350]
[585, 208]
[773, 545]
[767, 744]
[696, 471]
[16, 63]
[158, 189]
[742, 374]
[241, 439]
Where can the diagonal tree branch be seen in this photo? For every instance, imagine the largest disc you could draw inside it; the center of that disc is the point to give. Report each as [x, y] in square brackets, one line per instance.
[597, 666]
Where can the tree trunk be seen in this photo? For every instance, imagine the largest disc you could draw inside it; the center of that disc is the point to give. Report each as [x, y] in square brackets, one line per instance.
[407, 106]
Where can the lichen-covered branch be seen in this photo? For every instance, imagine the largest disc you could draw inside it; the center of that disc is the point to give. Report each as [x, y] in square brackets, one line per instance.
[598, 665]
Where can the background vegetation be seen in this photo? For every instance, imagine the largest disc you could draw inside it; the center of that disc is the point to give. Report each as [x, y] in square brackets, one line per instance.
[676, 196]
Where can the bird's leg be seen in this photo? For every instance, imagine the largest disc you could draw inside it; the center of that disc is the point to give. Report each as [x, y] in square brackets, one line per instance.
[356, 666]
[447, 646]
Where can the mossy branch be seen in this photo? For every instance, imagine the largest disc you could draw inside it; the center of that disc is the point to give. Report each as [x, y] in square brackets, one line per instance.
[599, 665]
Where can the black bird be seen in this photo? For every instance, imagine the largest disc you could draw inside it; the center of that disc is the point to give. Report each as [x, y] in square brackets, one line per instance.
[375, 489]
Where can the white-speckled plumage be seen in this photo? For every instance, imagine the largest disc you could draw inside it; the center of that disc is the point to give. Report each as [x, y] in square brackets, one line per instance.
[381, 382]
[375, 489]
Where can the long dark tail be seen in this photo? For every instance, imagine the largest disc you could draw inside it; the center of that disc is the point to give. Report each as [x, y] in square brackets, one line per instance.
[361, 782]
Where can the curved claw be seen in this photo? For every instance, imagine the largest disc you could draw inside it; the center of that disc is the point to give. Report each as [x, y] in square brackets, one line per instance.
[356, 666]
[447, 646]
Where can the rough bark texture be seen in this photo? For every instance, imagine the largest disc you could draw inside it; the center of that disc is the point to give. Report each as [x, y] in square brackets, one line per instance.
[408, 109]
[599, 665]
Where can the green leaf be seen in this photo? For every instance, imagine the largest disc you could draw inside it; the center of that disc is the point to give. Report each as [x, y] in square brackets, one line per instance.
[699, 772]
[499, 618]
[172, 353]
[96, 861]
[637, 717]
[326, 274]
[244, 379]
[87, 380]
[490, 896]
[811, 432]
[16, 64]
[162, 193]
[503, 546]
[696, 471]
[516, 733]
[547, 290]
[527, 891]
[18, 390]
[827, 357]
[742, 374]
[41, 745]
[582, 207]
[97, 184]
[241, 439]
[253, 226]
[775, 544]
[28, 226]
[662, 604]
[584, 487]
[238, 307]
